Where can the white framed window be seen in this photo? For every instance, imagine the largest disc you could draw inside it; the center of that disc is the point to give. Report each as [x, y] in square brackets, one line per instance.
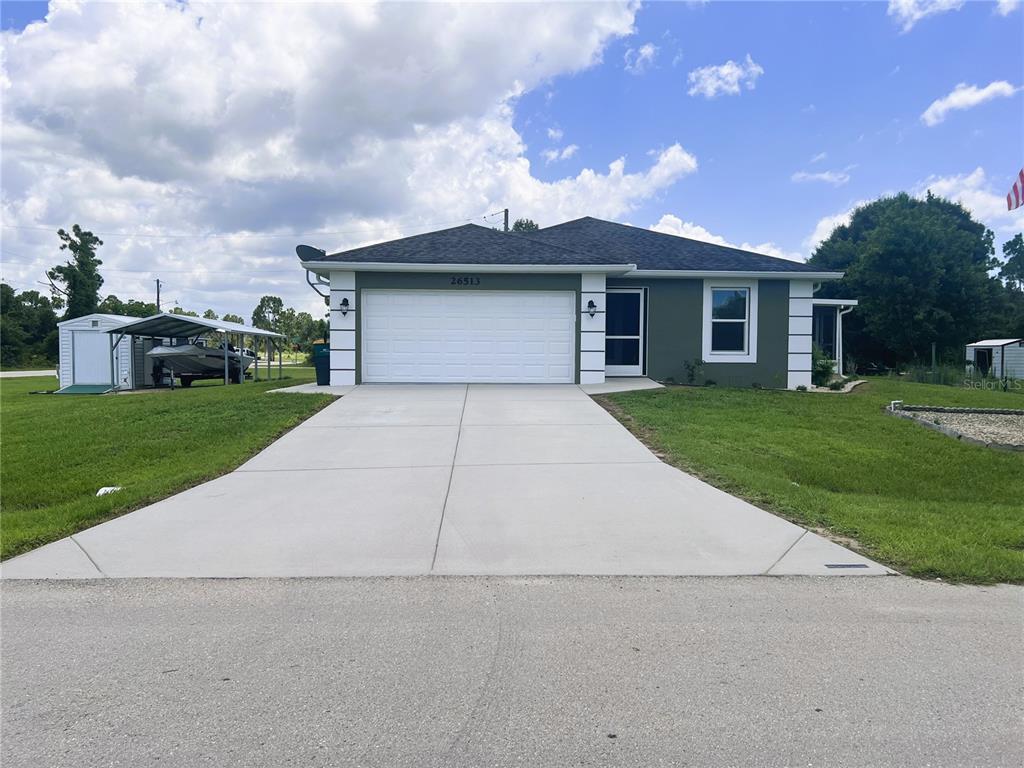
[730, 321]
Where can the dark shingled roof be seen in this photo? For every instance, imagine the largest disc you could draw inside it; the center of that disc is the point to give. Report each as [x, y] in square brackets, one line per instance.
[468, 244]
[578, 242]
[657, 250]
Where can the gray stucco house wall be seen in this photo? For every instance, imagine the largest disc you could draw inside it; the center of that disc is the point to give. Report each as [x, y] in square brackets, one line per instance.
[571, 303]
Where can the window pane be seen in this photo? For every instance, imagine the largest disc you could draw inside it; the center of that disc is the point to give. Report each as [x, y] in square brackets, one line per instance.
[728, 337]
[729, 304]
[623, 314]
[622, 352]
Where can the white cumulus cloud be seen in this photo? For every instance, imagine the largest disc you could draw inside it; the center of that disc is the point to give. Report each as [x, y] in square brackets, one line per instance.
[225, 121]
[965, 96]
[975, 192]
[728, 78]
[1006, 7]
[827, 224]
[908, 12]
[673, 225]
[554, 155]
[640, 59]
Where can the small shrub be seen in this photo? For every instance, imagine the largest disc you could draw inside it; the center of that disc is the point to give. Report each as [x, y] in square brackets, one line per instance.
[836, 385]
[755, 385]
[709, 382]
[822, 367]
[801, 388]
[694, 370]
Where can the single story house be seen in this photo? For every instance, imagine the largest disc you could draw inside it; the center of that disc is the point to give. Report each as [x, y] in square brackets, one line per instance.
[998, 358]
[574, 302]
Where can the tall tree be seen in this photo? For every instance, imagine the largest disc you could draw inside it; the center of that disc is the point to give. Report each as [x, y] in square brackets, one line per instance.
[920, 269]
[230, 318]
[1012, 270]
[77, 283]
[524, 226]
[210, 315]
[267, 314]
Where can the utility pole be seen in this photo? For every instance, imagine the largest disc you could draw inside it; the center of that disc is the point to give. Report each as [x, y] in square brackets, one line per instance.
[506, 219]
[158, 294]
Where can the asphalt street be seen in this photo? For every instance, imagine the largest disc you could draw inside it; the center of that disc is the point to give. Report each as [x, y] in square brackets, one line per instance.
[557, 671]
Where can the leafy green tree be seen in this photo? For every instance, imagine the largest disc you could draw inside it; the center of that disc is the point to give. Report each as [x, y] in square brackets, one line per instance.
[1012, 270]
[77, 283]
[524, 226]
[131, 308]
[176, 310]
[267, 314]
[28, 328]
[920, 269]
[209, 315]
[230, 318]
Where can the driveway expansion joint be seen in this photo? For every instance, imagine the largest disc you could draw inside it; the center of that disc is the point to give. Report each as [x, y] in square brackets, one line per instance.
[88, 557]
[789, 549]
[451, 474]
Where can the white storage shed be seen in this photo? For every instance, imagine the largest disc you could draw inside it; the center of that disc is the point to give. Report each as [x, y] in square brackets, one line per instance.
[998, 358]
[85, 352]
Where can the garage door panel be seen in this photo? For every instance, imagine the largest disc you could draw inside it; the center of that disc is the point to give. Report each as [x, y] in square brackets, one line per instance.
[474, 336]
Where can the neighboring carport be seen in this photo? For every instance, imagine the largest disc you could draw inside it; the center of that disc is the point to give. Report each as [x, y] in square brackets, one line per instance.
[170, 326]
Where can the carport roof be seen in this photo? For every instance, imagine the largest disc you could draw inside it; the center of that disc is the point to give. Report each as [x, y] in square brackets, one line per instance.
[166, 325]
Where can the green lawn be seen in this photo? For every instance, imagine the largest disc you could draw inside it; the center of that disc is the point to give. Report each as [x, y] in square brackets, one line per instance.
[910, 497]
[56, 451]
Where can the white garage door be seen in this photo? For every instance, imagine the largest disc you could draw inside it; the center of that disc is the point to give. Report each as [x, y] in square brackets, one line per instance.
[91, 352]
[468, 336]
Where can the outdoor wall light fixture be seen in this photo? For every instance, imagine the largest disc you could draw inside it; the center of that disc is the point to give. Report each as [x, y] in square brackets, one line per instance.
[344, 307]
[591, 308]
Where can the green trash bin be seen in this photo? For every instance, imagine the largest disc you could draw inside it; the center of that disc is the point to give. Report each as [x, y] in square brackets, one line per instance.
[322, 364]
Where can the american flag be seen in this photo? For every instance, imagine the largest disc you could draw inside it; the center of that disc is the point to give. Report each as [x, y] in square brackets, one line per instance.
[1015, 199]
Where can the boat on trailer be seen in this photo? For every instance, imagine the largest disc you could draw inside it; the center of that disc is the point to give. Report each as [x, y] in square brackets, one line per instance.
[193, 362]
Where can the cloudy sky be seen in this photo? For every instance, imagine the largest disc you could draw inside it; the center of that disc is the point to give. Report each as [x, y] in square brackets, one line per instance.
[205, 140]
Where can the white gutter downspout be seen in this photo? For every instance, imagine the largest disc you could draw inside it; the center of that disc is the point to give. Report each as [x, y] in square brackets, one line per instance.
[839, 338]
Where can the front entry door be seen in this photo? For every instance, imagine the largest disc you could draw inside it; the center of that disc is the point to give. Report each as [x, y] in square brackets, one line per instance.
[624, 332]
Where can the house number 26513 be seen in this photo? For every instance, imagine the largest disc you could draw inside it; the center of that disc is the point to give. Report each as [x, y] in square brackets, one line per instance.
[466, 280]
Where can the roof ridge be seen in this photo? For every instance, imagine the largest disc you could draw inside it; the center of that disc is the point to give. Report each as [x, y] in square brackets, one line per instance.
[645, 231]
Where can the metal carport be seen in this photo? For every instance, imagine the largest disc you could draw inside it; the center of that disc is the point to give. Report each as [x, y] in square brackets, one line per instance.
[169, 326]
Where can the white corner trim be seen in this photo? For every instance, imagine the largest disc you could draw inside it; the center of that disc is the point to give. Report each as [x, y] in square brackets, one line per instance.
[750, 356]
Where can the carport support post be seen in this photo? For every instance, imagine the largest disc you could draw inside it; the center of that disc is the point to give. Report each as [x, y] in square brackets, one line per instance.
[225, 358]
[280, 354]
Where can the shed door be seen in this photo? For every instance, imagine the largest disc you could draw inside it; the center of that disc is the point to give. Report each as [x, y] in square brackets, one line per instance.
[468, 336]
[91, 350]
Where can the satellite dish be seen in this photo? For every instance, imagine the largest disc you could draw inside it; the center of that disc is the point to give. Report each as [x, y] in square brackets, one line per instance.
[309, 253]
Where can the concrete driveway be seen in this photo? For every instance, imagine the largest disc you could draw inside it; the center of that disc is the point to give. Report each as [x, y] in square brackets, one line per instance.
[448, 479]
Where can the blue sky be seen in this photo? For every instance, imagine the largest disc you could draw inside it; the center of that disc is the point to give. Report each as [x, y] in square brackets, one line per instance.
[839, 79]
[205, 139]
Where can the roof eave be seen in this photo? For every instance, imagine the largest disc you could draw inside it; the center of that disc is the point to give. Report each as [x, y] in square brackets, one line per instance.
[759, 274]
[326, 267]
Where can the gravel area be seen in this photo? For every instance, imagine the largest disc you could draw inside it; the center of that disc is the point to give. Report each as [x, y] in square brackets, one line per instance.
[989, 427]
